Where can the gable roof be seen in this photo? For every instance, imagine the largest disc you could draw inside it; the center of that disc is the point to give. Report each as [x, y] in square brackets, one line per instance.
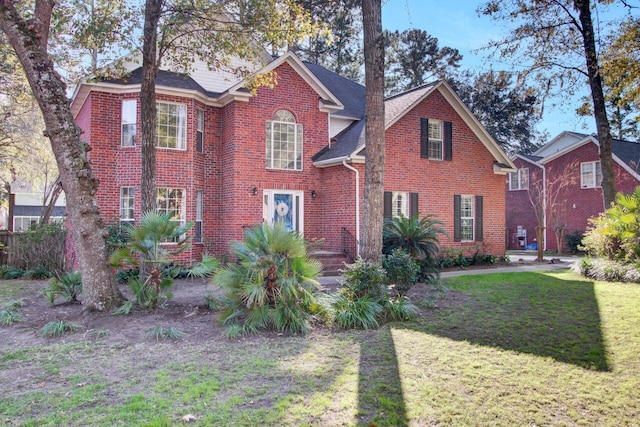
[351, 143]
[165, 78]
[350, 93]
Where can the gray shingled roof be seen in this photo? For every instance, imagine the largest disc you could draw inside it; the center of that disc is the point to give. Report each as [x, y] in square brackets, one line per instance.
[350, 93]
[396, 105]
[628, 152]
[346, 143]
[165, 78]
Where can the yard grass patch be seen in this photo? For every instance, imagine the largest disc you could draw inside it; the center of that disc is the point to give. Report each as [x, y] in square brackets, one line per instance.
[497, 349]
[10, 288]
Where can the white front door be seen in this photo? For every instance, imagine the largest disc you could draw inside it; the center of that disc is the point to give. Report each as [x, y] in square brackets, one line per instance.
[284, 206]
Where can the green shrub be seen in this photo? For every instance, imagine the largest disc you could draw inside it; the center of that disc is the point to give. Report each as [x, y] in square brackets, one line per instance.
[43, 245]
[14, 273]
[9, 316]
[364, 279]
[4, 269]
[574, 241]
[38, 273]
[273, 285]
[124, 309]
[608, 270]
[159, 333]
[402, 271]
[357, 313]
[57, 328]
[399, 309]
[67, 286]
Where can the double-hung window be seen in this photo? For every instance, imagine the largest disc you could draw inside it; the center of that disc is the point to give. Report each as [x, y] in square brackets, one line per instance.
[435, 139]
[198, 225]
[127, 199]
[129, 107]
[519, 180]
[590, 174]
[467, 218]
[284, 142]
[171, 202]
[172, 126]
[399, 204]
[200, 131]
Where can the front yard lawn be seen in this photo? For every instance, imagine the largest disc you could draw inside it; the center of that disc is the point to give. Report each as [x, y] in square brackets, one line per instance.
[495, 349]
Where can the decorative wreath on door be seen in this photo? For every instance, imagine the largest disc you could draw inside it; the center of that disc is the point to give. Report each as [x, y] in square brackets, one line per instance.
[282, 209]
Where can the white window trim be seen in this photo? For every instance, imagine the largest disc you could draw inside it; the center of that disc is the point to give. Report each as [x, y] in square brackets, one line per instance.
[518, 174]
[122, 219]
[269, 207]
[593, 173]
[431, 140]
[199, 211]
[298, 128]
[404, 201]
[183, 139]
[200, 129]
[183, 206]
[472, 217]
[128, 121]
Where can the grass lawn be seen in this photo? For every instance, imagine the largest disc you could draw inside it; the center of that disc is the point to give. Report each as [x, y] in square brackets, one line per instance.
[495, 349]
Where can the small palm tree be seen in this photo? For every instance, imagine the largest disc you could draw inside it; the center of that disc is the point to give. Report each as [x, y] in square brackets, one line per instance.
[272, 286]
[419, 237]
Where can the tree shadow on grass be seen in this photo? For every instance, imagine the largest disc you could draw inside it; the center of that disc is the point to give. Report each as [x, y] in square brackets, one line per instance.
[380, 396]
[525, 312]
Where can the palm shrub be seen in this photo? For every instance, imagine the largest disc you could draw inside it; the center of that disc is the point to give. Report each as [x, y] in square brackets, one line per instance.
[272, 286]
[419, 237]
[150, 246]
[615, 234]
[67, 286]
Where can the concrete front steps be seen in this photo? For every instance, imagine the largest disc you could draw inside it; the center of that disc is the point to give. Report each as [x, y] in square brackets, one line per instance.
[332, 262]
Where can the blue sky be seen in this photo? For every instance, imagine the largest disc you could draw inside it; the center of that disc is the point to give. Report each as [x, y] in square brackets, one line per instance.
[456, 24]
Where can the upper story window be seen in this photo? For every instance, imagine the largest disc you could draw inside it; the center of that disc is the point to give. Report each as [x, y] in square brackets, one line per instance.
[519, 180]
[590, 174]
[172, 126]
[129, 107]
[435, 139]
[200, 131]
[284, 142]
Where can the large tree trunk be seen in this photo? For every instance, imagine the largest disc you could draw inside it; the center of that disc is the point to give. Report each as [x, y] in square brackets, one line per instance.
[540, 239]
[28, 39]
[597, 96]
[149, 116]
[374, 130]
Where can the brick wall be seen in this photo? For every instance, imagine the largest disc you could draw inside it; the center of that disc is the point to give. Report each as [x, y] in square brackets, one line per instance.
[519, 210]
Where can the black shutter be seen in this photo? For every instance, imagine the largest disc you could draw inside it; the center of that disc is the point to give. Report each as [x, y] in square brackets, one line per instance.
[457, 234]
[424, 138]
[448, 141]
[479, 236]
[387, 204]
[413, 205]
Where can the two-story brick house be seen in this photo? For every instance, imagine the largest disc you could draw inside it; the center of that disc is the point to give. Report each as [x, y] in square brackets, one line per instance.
[228, 158]
[575, 159]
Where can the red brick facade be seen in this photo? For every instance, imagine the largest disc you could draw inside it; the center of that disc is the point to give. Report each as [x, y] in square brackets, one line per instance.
[574, 204]
[231, 171]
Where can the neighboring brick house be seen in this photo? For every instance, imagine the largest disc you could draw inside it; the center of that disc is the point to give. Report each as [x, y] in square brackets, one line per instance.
[229, 158]
[574, 158]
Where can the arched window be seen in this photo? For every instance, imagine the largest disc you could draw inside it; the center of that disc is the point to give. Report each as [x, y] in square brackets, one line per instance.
[284, 142]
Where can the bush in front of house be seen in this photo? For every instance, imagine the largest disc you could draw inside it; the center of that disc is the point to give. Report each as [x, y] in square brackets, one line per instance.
[402, 272]
[273, 286]
[608, 270]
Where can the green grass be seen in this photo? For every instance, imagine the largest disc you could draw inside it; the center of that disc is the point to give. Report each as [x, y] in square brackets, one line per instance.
[510, 349]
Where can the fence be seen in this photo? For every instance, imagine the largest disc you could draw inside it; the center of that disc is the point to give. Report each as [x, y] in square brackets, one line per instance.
[8, 240]
[41, 247]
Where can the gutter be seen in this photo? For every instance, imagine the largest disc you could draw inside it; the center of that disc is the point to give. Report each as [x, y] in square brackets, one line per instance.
[344, 163]
[544, 205]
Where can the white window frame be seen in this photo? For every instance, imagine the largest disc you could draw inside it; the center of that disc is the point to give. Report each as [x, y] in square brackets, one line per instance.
[268, 207]
[128, 122]
[467, 218]
[200, 131]
[180, 126]
[590, 174]
[167, 210]
[521, 180]
[276, 158]
[19, 222]
[198, 230]
[435, 146]
[399, 204]
[127, 205]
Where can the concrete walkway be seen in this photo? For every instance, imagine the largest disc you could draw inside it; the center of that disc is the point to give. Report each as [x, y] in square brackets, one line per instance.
[520, 260]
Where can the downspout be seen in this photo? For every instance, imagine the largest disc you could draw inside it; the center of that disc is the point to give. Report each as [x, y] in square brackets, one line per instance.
[544, 205]
[344, 163]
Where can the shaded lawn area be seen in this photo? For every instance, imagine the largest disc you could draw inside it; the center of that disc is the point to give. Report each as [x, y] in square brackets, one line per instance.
[497, 349]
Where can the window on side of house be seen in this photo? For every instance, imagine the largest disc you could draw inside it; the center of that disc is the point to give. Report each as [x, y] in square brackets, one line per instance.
[198, 224]
[200, 132]
[127, 199]
[399, 204]
[129, 107]
[590, 174]
[284, 142]
[519, 180]
[172, 126]
[435, 140]
[171, 202]
[468, 218]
